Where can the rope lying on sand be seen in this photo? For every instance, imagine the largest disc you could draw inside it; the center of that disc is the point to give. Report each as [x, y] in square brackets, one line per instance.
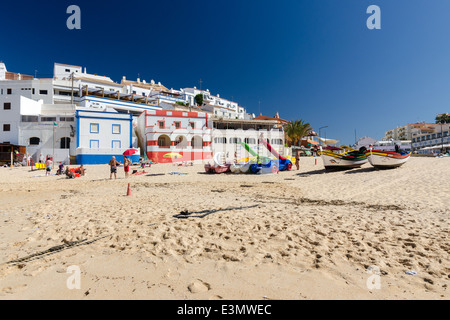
[201, 214]
[52, 250]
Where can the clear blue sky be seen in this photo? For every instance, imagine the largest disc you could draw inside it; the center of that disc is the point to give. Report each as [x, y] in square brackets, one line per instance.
[314, 60]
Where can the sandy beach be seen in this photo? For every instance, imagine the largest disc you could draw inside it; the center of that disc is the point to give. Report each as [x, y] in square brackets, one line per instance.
[306, 234]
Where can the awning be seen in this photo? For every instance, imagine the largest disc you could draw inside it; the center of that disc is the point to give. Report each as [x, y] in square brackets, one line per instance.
[328, 141]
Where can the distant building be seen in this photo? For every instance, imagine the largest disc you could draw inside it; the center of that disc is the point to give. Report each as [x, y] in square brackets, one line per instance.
[365, 142]
[217, 106]
[406, 132]
[432, 138]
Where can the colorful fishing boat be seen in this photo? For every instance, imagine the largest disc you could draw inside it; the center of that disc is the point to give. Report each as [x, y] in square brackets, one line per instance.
[337, 158]
[387, 159]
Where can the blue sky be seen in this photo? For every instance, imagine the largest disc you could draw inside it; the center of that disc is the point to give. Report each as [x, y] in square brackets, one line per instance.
[311, 60]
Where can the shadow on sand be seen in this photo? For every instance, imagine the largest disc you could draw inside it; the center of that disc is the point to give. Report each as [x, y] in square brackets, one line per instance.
[361, 170]
[309, 173]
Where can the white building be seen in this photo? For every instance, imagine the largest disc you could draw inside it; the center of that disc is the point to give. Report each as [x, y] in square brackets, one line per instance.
[102, 135]
[227, 135]
[432, 139]
[219, 107]
[40, 127]
[187, 134]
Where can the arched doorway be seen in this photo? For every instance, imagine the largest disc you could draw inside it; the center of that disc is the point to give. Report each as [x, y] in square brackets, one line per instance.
[181, 142]
[164, 141]
[197, 142]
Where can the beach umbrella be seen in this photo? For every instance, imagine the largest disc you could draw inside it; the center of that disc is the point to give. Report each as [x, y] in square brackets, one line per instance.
[130, 152]
[173, 155]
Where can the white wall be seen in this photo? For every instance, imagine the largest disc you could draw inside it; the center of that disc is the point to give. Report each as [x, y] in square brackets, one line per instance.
[105, 136]
[230, 147]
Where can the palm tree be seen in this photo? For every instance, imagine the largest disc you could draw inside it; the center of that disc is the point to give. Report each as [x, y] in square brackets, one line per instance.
[296, 130]
[443, 118]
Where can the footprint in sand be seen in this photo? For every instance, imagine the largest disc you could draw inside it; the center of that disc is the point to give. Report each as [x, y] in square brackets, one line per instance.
[198, 286]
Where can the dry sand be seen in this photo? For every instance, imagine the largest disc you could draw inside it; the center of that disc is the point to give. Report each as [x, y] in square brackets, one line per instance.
[303, 234]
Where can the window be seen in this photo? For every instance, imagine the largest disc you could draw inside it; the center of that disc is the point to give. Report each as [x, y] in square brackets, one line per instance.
[250, 141]
[6, 127]
[161, 124]
[116, 128]
[192, 125]
[30, 118]
[35, 141]
[94, 144]
[235, 140]
[67, 119]
[7, 106]
[33, 91]
[277, 141]
[177, 124]
[48, 119]
[94, 128]
[8, 91]
[67, 70]
[43, 92]
[220, 140]
[116, 144]
[65, 143]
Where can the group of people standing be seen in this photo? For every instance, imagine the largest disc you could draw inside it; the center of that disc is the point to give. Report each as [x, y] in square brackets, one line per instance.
[113, 164]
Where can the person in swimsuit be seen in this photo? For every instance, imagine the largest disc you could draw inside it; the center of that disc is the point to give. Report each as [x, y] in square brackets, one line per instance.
[48, 166]
[113, 165]
[81, 170]
[126, 167]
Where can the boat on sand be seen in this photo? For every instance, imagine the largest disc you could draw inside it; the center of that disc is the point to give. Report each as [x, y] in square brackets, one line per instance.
[387, 159]
[337, 158]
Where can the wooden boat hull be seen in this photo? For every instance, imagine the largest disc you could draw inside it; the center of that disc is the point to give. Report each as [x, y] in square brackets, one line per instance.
[387, 159]
[333, 160]
[222, 169]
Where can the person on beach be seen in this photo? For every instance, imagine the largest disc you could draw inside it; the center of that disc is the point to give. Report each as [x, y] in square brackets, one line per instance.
[126, 166]
[48, 166]
[113, 165]
[297, 159]
[41, 158]
[70, 174]
[61, 169]
[81, 170]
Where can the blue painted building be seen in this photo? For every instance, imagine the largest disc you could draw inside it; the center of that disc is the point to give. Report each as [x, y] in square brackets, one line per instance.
[102, 135]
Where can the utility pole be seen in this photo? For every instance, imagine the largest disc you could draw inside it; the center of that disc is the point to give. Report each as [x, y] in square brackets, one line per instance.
[71, 98]
[201, 81]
